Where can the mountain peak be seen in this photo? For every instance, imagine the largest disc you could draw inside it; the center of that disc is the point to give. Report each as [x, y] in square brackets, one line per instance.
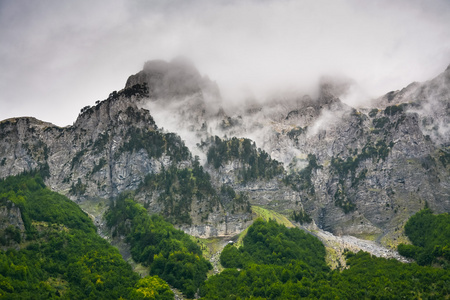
[178, 78]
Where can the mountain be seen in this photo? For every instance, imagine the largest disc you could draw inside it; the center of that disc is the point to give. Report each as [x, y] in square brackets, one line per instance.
[113, 147]
[354, 171]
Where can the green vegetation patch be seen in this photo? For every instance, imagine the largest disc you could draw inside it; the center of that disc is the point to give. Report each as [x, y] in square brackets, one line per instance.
[395, 109]
[101, 142]
[78, 189]
[77, 158]
[35, 200]
[256, 162]
[272, 243]
[155, 143]
[234, 202]
[430, 237]
[281, 263]
[373, 112]
[301, 216]
[294, 133]
[62, 256]
[341, 199]
[375, 151]
[380, 122]
[267, 214]
[152, 287]
[99, 166]
[137, 89]
[170, 253]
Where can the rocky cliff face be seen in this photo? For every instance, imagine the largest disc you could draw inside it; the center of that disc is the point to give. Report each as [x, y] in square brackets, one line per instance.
[12, 227]
[354, 171]
[110, 149]
[87, 158]
[361, 171]
[430, 100]
[375, 168]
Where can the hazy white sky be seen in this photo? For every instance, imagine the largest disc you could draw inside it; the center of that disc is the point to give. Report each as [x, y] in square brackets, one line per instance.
[57, 56]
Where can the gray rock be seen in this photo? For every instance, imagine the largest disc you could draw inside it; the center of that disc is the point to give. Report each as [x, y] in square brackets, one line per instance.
[377, 165]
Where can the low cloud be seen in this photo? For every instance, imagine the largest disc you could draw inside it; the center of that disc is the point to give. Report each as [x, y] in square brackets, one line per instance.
[57, 57]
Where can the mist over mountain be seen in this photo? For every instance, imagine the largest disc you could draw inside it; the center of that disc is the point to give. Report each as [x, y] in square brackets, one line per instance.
[360, 171]
[169, 143]
[61, 56]
[272, 149]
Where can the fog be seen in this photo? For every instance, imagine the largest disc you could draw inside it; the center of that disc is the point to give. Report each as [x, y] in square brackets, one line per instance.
[59, 56]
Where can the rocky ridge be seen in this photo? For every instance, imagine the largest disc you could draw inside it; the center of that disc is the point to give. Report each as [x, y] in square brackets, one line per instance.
[373, 167]
[358, 172]
[110, 149]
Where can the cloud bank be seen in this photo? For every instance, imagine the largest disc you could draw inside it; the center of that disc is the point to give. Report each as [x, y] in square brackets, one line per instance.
[58, 56]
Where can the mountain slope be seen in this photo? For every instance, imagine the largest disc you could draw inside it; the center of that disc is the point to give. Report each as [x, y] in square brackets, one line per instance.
[353, 171]
[50, 249]
[111, 148]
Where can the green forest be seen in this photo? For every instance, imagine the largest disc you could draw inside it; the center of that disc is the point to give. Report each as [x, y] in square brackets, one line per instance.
[279, 263]
[57, 254]
[170, 253]
[430, 237]
[61, 256]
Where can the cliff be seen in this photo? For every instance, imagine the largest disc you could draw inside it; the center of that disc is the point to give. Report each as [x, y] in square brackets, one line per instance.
[354, 171]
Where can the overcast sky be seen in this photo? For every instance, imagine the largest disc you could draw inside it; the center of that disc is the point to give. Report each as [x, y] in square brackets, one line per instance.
[57, 56]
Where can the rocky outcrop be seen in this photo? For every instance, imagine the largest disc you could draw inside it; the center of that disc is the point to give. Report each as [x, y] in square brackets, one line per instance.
[12, 227]
[220, 225]
[88, 159]
[431, 101]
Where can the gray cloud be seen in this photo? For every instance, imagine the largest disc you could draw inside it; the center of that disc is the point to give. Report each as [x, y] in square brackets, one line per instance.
[58, 56]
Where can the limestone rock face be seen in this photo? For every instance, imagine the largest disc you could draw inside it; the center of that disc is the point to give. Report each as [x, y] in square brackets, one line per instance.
[376, 166]
[12, 228]
[359, 172]
[10, 215]
[110, 149]
[85, 159]
[431, 101]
